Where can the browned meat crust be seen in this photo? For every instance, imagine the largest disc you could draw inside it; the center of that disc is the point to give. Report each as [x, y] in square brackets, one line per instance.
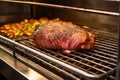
[63, 35]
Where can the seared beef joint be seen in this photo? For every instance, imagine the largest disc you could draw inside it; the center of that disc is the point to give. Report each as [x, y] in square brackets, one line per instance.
[62, 35]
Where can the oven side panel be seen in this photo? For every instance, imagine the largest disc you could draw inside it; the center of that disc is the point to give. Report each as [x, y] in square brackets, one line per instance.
[13, 12]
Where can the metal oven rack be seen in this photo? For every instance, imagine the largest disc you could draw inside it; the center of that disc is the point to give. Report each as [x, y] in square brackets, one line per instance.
[96, 64]
[99, 63]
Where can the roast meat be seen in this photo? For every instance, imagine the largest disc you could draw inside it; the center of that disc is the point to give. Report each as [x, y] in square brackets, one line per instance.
[63, 35]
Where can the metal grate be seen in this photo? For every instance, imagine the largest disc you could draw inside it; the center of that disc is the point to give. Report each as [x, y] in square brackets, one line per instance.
[100, 62]
[96, 62]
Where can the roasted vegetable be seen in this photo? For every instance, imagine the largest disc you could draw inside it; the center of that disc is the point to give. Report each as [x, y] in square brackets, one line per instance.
[23, 28]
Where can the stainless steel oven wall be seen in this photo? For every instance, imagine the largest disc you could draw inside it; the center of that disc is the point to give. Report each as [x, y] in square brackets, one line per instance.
[102, 22]
[13, 12]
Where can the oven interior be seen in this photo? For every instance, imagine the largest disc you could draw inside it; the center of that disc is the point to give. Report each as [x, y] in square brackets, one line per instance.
[101, 16]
